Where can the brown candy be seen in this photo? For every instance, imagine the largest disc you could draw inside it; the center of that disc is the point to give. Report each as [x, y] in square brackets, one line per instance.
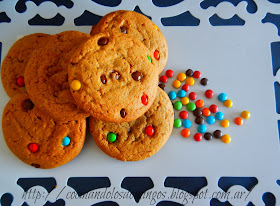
[189, 72]
[218, 134]
[162, 86]
[123, 113]
[103, 79]
[204, 81]
[103, 41]
[137, 76]
[27, 105]
[208, 136]
[199, 120]
[124, 29]
[197, 112]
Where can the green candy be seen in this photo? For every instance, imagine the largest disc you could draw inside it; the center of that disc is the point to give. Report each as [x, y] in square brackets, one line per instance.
[191, 106]
[111, 137]
[177, 123]
[178, 105]
[149, 58]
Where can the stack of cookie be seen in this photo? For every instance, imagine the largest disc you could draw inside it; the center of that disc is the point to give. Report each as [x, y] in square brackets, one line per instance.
[56, 81]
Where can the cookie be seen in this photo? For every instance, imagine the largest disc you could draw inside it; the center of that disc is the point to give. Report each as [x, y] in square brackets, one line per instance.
[46, 77]
[137, 26]
[112, 78]
[139, 139]
[38, 140]
[14, 64]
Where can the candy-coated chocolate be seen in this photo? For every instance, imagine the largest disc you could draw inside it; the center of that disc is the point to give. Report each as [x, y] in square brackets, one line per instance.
[199, 103]
[181, 76]
[228, 103]
[213, 108]
[196, 74]
[208, 136]
[245, 114]
[177, 123]
[33, 147]
[209, 93]
[111, 137]
[197, 112]
[20, 81]
[185, 100]
[162, 86]
[156, 55]
[103, 79]
[169, 73]
[191, 106]
[186, 87]
[149, 130]
[192, 95]
[238, 121]
[189, 72]
[183, 114]
[76, 85]
[219, 116]
[199, 120]
[202, 128]
[217, 134]
[185, 132]
[210, 120]
[172, 95]
[181, 93]
[137, 76]
[27, 105]
[198, 137]
[204, 81]
[163, 79]
[187, 123]
[66, 141]
[144, 99]
[206, 112]
[190, 81]
[226, 138]
[176, 84]
[149, 58]
[222, 97]
[177, 105]
[103, 41]
[123, 113]
[225, 123]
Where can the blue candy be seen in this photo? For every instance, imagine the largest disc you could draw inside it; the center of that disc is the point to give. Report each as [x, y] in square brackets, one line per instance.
[66, 141]
[202, 128]
[210, 120]
[181, 93]
[187, 123]
[222, 97]
[219, 116]
[172, 95]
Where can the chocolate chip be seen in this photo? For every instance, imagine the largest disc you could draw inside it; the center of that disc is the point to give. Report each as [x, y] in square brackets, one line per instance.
[189, 72]
[208, 136]
[116, 74]
[123, 113]
[162, 86]
[218, 134]
[197, 112]
[199, 120]
[35, 165]
[129, 130]
[204, 81]
[103, 79]
[27, 105]
[137, 76]
[103, 41]
[124, 29]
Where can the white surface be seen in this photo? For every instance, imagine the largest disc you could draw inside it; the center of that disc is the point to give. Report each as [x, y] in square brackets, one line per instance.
[235, 59]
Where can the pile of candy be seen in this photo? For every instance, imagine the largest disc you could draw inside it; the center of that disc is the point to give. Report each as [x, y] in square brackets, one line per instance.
[196, 106]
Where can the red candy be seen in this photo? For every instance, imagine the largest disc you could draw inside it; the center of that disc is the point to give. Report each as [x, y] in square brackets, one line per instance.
[20, 81]
[149, 130]
[209, 93]
[192, 95]
[169, 73]
[144, 99]
[186, 87]
[163, 79]
[156, 55]
[183, 114]
[198, 137]
[33, 147]
[197, 74]
[213, 108]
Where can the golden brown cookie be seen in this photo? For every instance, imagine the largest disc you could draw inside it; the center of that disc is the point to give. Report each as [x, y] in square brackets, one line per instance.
[38, 140]
[46, 77]
[14, 64]
[137, 26]
[139, 139]
[112, 77]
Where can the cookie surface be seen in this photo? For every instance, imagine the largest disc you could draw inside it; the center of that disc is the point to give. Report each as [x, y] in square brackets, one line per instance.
[38, 140]
[46, 77]
[14, 64]
[112, 78]
[135, 140]
[137, 26]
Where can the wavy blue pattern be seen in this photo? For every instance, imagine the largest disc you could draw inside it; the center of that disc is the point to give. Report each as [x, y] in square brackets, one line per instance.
[184, 19]
[215, 20]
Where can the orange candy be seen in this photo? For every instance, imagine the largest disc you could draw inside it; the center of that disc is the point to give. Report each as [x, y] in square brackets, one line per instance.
[199, 103]
[156, 55]
[206, 112]
[238, 121]
[185, 132]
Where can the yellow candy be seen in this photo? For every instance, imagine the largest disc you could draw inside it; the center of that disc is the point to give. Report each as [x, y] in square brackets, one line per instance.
[181, 77]
[76, 85]
[225, 123]
[176, 84]
[190, 81]
[185, 100]
[226, 138]
[228, 103]
[245, 114]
